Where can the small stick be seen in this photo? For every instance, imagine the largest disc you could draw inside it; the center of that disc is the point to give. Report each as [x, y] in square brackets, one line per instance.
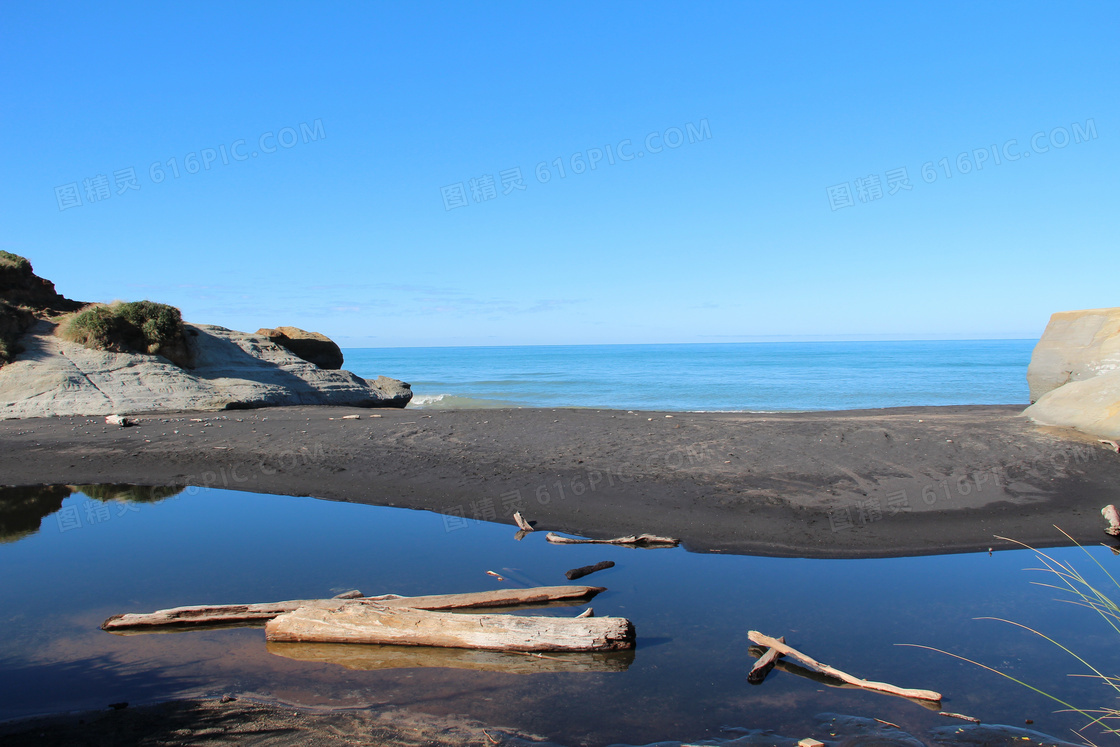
[1113, 518]
[523, 525]
[589, 612]
[888, 723]
[883, 687]
[764, 664]
[961, 716]
[1115, 446]
[587, 570]
[492, 740]
[495, 575]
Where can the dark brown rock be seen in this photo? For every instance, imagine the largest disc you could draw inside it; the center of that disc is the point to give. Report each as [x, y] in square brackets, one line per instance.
[313, 347]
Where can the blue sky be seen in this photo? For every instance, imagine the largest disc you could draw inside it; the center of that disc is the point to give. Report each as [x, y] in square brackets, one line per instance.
[342, 218]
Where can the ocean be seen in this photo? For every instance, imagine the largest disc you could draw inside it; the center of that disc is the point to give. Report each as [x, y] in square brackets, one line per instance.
[755, 377]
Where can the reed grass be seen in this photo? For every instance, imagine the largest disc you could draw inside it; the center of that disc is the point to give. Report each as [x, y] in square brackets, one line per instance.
[1101, 598]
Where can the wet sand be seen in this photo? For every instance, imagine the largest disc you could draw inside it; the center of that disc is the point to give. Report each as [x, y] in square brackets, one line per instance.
[903, 481]
[193, 722]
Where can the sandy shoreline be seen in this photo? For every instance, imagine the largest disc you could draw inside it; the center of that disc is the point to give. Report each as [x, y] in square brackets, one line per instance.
[823, 484]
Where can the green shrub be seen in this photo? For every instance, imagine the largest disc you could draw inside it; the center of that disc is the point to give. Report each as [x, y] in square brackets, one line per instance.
[135, 327]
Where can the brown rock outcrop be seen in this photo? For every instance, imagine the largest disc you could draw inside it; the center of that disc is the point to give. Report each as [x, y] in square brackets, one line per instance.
[313, 347]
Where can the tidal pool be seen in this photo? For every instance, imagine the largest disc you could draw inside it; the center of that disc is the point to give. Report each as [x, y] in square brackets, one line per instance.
[72, 556]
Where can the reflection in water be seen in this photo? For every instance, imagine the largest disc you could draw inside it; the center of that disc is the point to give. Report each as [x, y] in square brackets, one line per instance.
[130, 493]
[22, 509]
[368, 658]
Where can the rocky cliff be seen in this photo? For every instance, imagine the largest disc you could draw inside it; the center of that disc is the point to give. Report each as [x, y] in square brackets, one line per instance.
[24, 296]
[49, 375]
[1074, 374]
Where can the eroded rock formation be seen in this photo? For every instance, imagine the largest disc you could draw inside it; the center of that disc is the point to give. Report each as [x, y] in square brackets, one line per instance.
[1074, 375]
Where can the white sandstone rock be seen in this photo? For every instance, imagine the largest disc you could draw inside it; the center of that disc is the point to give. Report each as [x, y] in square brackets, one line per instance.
[233, 370]
[1074, 375]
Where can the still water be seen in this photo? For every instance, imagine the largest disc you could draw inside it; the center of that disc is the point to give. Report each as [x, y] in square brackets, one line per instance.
[147, 549]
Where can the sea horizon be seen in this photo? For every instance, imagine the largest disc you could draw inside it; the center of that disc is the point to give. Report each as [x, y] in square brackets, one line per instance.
[721, 376]
[753, 341]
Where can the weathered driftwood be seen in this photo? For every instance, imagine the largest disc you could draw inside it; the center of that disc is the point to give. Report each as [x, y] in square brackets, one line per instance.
[249, 614]
[764, 664]
[1111, 444]
[641, 540]
[348, 622]
[364, 657]
[1111, 515]
[589, 612]
[523, 525]
[791, 667]
[587, 570]
[883, 687]
[493, 599]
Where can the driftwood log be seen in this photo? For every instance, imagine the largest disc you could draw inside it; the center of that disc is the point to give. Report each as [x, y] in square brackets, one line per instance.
[360, 622]
[813, 675]
[764, 664]
[410, 657]
[248, 614]
[523, 525]
[1113, 518]
[587, 570]
[640, 540]
[774, 643]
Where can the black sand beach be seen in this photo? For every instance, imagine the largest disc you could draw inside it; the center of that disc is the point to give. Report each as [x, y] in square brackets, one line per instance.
[903, 481]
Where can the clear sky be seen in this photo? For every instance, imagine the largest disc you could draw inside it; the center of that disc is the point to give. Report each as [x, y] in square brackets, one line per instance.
[325, 156]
